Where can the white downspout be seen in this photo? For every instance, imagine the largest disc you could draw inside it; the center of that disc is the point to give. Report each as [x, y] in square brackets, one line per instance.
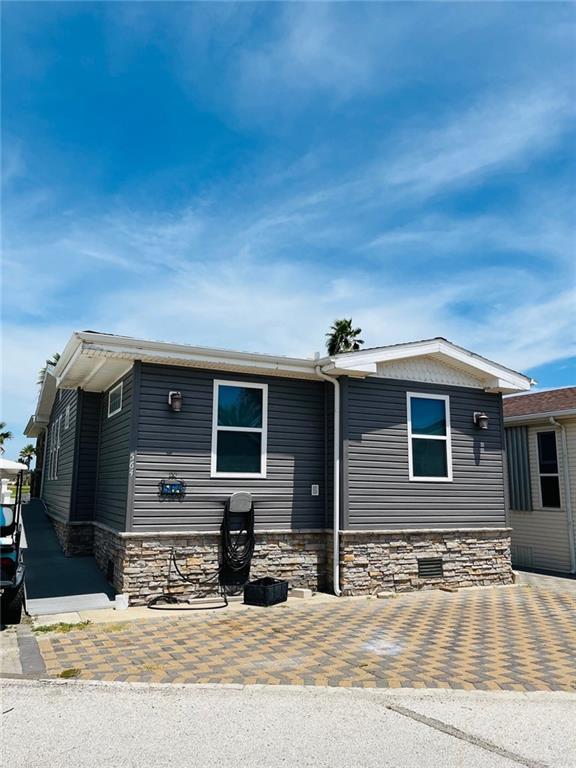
[336, 493]
[567, 493]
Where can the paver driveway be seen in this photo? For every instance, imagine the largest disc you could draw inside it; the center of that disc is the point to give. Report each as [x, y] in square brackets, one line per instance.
[518, 638]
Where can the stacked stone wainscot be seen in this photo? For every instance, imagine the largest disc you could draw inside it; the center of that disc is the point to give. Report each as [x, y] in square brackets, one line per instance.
[76, 539]
[372, 561]
[139, 563]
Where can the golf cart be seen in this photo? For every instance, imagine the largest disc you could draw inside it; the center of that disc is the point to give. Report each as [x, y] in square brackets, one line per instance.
[11, 565]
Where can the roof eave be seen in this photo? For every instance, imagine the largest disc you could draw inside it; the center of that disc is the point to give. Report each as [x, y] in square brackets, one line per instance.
[497, 378]
[567, 413]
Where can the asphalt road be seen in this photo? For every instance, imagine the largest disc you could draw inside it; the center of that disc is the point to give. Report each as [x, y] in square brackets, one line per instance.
[115, 725]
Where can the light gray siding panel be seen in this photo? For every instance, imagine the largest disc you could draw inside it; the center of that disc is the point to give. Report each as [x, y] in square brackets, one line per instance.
[180, 443]
[57, 494]
[540, 539]
[113, 456]
[381, 495]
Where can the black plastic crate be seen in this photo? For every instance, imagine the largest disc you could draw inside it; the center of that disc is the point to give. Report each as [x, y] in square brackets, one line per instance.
[266, 591]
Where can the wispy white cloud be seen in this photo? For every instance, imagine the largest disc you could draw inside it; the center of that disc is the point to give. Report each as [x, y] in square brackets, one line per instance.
[512, 129]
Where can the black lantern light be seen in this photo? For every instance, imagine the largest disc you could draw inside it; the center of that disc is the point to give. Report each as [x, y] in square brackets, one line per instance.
[481, 420]
[175, 401]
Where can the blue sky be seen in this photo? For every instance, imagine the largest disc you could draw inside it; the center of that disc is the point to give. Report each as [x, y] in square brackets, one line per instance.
[239, 175]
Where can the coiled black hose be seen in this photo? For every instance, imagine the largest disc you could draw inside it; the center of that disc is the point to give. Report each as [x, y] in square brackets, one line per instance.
[236, 551]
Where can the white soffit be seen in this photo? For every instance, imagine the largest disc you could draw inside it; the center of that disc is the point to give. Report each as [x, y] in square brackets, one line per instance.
[95, 361]
[431, 370]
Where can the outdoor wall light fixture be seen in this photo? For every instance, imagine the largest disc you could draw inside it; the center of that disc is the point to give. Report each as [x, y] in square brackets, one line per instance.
[175, 401]
[480, 419]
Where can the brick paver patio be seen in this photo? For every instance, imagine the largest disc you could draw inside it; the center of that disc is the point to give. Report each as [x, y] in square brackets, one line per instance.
[519, 638]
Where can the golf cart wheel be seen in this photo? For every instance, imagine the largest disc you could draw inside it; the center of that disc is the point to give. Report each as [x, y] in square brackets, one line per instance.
[12, 603]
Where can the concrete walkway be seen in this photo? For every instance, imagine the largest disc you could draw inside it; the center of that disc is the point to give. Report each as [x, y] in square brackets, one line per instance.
[55, 583]
[87, 725]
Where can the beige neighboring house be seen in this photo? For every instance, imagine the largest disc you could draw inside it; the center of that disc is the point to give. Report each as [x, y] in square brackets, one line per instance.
[541, 461]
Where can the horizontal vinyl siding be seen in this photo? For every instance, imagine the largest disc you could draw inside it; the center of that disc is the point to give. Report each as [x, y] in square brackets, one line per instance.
[571, 441]
[88, 436]
[57, 494]
[544, 533]
[380, 493]
[113, 458]
[180, 443]
[517, 454]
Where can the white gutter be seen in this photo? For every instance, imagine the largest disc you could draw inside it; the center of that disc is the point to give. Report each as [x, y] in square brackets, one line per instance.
[544, 416]
[336, 493]
[567, 493]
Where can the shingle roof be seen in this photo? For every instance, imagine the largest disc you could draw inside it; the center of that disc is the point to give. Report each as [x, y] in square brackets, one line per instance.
[550, 401]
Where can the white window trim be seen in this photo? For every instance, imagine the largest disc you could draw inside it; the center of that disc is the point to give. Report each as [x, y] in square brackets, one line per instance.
[263, 430]
[447, 438]
[51, 451]
[114, 389]
[548, 474]
[67, 417]
[54, 452]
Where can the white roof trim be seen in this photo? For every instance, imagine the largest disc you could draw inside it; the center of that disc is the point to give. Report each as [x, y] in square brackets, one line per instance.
[567, 413]
[495, 377]
[94, 361]
[100, 348]
[41, 417]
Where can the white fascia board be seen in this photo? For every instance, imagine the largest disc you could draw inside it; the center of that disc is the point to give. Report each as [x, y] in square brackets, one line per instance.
[104, 345]
[498, 376]
[45, 400]
[528, 418]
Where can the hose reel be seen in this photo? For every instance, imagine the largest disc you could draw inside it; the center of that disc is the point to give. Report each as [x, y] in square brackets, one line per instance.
[237, 542]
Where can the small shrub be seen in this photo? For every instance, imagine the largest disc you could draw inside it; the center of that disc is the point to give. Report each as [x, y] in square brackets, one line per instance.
[68, 673]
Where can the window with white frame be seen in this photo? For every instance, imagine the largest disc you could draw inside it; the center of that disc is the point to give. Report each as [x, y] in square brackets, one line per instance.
[548, 470]
[54, 449]
[115, 400]
[67, 417]
[239, 425]
[429, 443]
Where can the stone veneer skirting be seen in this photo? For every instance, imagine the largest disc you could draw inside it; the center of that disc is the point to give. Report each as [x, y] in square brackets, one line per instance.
[370, 561]
[76, 539]
[140, 563]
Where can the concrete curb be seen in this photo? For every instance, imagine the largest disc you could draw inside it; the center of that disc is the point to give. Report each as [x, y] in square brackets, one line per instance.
[171, 688]
[31, 659]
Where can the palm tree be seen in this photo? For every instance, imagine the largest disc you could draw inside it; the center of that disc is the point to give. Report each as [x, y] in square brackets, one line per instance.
[42, 372]
[343, 338]
[4, 435]
[27, 454]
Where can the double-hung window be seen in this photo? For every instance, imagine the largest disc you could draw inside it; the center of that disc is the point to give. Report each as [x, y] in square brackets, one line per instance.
[429, 445]
[548, 470]
[239, 424]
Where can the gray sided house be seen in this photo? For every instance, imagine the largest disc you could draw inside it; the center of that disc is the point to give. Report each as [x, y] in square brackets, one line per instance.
[374, 470]
[541, 440]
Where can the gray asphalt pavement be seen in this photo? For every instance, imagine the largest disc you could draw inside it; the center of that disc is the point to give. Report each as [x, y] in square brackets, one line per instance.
[76, 724]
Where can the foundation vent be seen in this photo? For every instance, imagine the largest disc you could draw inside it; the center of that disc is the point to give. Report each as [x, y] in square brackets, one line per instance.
[430, 568]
